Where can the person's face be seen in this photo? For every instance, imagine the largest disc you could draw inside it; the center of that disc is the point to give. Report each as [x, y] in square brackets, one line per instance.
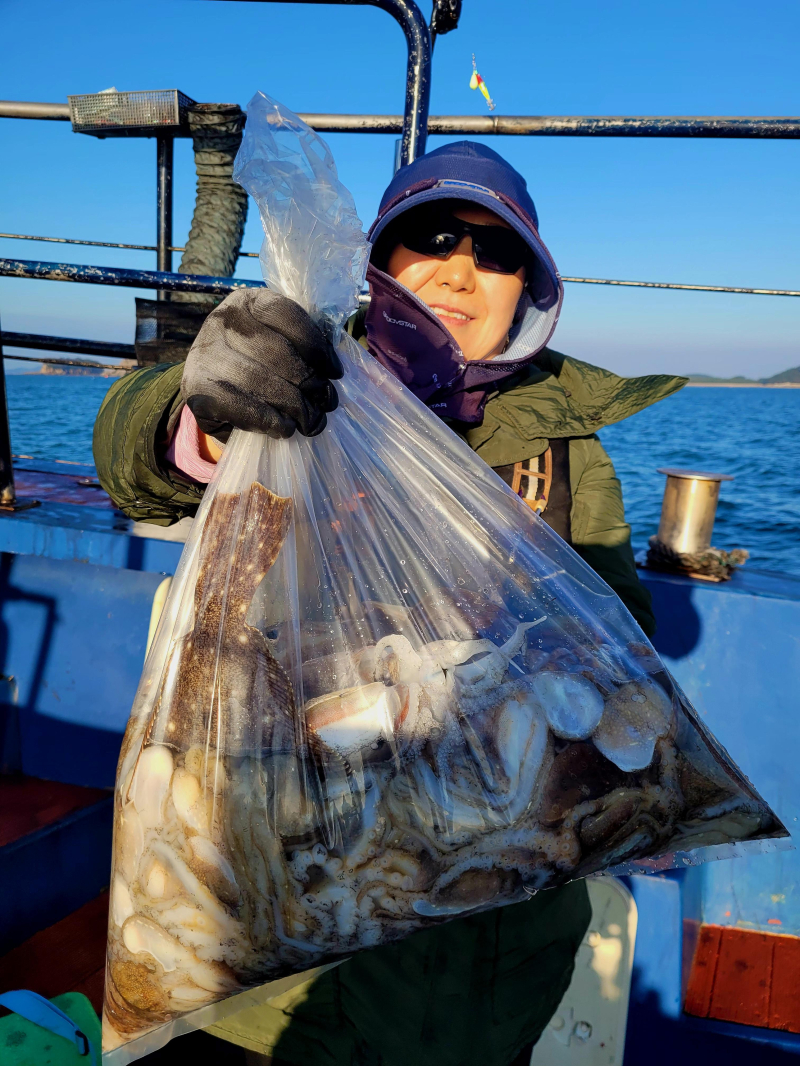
[477, 306]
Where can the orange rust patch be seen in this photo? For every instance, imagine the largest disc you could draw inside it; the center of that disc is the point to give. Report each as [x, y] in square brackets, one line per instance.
[744, 976]
[784, 1009]
[704, 970]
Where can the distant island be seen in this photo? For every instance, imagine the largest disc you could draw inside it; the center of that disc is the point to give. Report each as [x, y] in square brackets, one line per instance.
[49, 369]
[787, 379]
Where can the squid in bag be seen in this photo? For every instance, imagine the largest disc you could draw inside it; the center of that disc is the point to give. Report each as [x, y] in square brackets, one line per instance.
[383, 693]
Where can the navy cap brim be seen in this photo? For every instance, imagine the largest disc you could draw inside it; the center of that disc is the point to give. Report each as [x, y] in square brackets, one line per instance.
[545, 287]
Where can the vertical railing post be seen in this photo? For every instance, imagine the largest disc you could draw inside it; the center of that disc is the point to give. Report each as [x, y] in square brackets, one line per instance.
[418, 69]
[8, 495]
[9, 501]
[164, 144]
[418, 74]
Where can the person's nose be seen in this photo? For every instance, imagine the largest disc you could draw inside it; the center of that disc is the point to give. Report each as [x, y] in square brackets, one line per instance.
[457, 272]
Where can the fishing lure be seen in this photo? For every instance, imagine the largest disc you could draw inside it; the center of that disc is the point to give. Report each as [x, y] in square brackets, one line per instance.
[477, 82]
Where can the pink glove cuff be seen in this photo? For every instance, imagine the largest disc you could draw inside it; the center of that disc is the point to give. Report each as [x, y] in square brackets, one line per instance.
[184, 450]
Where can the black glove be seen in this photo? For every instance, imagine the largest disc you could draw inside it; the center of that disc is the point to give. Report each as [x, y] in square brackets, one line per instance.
[260, 363]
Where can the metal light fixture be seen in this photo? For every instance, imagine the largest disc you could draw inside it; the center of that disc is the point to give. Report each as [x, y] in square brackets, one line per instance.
[130, 114]
[159, 113]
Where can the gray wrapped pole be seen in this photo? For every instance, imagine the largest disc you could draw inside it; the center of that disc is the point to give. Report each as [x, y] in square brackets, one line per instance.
[220, 210]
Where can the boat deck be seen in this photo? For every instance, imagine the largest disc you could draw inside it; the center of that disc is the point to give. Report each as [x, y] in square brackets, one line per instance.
[70, 957]
[67, 957]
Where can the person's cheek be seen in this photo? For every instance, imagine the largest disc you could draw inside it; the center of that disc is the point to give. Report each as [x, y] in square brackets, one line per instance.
[425, 276]
[506, 291]
[410, 269]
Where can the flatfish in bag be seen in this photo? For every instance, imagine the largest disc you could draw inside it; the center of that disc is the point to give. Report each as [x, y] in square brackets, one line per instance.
[383, 693]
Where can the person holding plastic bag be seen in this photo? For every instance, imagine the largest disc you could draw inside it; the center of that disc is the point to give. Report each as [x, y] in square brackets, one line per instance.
[464, 299]
[528, 411]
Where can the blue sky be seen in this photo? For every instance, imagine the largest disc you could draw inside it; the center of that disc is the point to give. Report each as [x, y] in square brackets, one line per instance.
[713, 212]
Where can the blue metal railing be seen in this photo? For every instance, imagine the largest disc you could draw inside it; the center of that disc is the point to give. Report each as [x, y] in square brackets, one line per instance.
[123, 278]
[168, 281]
[158, 279]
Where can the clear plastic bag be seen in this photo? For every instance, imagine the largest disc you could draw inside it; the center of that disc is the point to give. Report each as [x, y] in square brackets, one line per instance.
[383, 693]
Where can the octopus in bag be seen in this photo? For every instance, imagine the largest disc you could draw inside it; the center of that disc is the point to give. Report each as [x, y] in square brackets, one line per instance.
[472, 752]
[407, 692]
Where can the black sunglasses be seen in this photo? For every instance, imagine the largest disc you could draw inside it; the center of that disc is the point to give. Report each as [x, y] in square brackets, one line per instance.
[438, 234]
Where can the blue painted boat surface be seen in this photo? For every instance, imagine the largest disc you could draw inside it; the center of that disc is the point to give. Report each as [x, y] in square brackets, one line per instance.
[734, 649]
[49, 873]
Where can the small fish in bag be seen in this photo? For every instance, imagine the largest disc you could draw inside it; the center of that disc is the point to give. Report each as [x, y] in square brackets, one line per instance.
[383, 693]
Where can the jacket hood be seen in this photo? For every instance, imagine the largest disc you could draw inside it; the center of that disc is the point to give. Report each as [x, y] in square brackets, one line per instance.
[406, 336]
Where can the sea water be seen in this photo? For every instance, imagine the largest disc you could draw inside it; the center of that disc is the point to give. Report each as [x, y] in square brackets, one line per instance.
[753, 434]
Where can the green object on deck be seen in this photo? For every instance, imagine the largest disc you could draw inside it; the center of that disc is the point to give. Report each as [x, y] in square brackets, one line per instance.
[22, 1043]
